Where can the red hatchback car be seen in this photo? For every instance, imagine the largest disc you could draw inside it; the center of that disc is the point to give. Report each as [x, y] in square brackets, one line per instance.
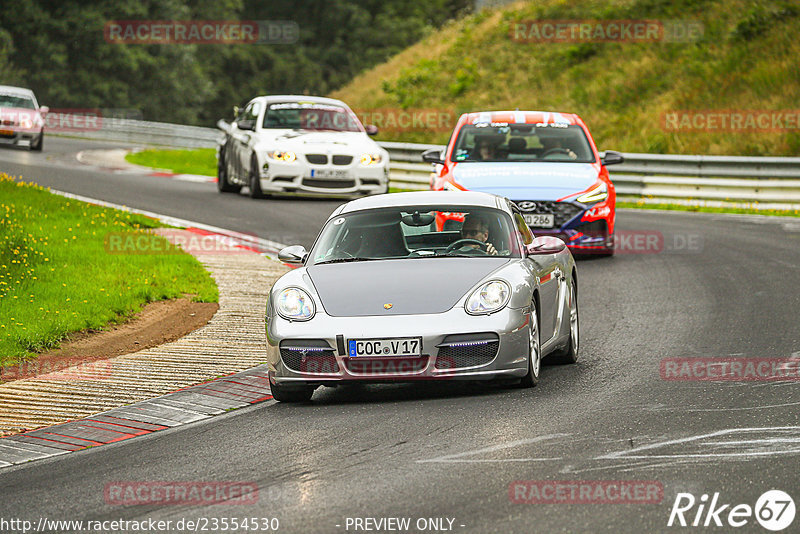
[546, 162]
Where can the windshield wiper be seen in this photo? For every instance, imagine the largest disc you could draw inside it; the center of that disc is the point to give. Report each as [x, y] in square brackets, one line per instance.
[345, 260]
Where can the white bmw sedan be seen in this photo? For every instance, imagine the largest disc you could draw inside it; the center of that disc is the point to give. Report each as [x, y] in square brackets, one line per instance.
[300, 145]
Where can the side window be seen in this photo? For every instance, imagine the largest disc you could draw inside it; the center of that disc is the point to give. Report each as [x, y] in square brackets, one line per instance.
[522, 227]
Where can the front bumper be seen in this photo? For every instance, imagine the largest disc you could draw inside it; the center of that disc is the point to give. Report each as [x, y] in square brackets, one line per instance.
[448, 340]
[10, 135]
[301, 178]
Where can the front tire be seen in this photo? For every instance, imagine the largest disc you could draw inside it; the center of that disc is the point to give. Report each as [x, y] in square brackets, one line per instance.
[534, 351]
[255, 179]
[223, 185]
[291, 394]
[570, 353]
[39, 145]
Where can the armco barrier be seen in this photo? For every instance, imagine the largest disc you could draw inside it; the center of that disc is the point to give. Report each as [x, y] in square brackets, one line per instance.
[712, 178]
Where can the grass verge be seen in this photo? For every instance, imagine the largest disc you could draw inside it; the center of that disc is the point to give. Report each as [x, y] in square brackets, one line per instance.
[706, 209]
[202, 161]
[57, 276]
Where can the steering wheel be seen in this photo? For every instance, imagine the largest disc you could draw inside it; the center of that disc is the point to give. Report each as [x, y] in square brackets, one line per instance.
[461, 242]
[555, 151]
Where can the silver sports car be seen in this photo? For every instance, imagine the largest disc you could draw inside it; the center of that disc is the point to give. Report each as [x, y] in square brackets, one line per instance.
[386, 294]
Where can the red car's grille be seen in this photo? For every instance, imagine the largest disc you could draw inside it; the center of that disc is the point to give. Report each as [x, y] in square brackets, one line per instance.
[563, 211]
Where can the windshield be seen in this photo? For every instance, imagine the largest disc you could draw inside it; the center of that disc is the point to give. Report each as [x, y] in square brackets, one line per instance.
[311, 116]
[522, 142]
[16, 101]
[416, 232]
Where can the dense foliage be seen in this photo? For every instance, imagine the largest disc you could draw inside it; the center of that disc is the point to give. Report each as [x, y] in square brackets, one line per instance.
[59, 50]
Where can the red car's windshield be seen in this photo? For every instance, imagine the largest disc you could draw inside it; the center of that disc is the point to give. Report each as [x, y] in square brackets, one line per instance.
[522, 142]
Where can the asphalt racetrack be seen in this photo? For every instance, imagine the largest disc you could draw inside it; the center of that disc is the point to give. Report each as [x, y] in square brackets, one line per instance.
[684, 286]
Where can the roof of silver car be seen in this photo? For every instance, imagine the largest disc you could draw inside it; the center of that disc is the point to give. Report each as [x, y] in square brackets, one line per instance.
[423, 198]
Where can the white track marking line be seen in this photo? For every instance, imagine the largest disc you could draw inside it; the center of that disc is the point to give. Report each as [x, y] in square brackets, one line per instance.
[494, 448]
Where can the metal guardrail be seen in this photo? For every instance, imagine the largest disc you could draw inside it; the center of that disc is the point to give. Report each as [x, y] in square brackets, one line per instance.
[726, 178]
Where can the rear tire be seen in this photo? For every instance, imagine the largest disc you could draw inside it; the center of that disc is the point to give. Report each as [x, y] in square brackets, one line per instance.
[534, 351]
[255, 179]
[570, 353]
[291, 394]
[223, 185]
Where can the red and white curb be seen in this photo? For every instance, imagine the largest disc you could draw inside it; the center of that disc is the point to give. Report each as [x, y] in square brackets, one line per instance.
[189, 405]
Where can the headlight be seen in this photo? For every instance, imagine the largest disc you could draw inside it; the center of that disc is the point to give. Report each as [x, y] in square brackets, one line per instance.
[25, 122]
[295, 304]
[595, 194]
[490, 297]
[370, 159]
[282, 155]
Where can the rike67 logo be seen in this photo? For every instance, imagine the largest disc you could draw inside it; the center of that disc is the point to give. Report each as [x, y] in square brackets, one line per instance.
[774, 510]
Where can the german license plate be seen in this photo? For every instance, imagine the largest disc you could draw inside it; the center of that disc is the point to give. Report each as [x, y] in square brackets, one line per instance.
[540, 220]
[330, 173]
[398, 346]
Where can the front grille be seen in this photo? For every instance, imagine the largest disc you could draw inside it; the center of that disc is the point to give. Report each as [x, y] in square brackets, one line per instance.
[309, 356]
[342, 160]
[467, 350]
[563, 211]
[317, 159]
[386, 366]
[329, 184]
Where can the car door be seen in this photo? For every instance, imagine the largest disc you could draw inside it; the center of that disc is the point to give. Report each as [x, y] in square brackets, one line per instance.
[551, 282]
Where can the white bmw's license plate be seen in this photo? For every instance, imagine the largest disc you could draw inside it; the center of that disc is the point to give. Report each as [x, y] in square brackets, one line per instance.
[330, 173]
[540, 220]
[397, 346]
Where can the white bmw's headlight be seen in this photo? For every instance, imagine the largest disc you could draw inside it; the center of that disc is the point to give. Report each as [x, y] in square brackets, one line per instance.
[370, 159]
[490, 297]
[26, 122]
[295, 304]
[282, 155]
[595, 194]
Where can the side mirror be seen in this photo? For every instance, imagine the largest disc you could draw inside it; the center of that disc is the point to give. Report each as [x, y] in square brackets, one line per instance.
[433, 155]
[246, 124]
[612, 157]
[371, 129]
[44, 110]
[293, 254]
[545, 244]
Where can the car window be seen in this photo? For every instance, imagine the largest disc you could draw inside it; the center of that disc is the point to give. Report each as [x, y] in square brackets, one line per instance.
[416, 232]
[522, 142]
[311, 116]
[16, 101]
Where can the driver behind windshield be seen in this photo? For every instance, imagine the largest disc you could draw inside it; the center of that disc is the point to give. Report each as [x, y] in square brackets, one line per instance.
[554, 146]
[475, 227]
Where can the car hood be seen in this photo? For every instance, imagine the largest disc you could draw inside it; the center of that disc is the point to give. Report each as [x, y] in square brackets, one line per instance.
[521, 181]
[413, 286]
[305, 142]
